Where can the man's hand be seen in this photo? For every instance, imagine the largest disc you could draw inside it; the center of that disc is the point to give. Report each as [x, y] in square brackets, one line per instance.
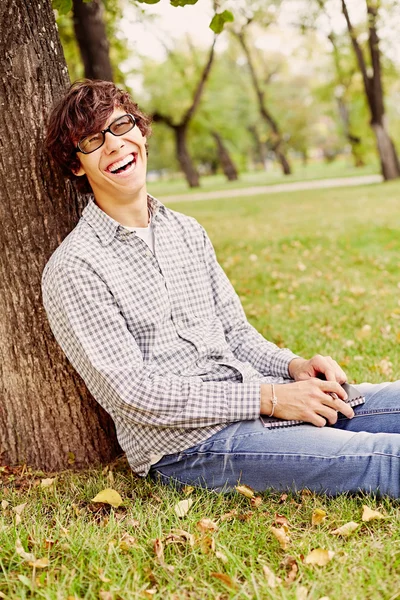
[309, 401]
[301, 369]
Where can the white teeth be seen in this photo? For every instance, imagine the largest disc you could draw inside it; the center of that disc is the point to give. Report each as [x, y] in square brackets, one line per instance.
[121, 163]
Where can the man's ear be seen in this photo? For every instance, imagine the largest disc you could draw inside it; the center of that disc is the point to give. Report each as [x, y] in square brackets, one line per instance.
[79, 172]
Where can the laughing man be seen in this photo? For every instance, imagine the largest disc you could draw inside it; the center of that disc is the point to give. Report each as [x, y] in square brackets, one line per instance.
[144, 312]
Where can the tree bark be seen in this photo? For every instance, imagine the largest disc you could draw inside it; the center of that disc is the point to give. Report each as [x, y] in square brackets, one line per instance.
[185, 161]
[390, 164]
[47, 418]
[227, 164]
[90, 33]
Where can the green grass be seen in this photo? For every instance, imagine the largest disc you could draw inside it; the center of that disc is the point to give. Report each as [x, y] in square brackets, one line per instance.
[313, 269]
[341, 167]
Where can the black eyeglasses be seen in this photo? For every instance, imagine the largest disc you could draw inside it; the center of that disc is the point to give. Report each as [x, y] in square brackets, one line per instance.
[93, 142]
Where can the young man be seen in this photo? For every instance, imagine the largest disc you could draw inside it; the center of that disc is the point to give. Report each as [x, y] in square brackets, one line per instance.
[142, 309]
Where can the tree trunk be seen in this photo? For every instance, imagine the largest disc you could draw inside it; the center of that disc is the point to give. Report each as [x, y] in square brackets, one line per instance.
[389, 161]
[260, 147]
[225, 159]
[47, 418]
[185, 161]
[90, 33]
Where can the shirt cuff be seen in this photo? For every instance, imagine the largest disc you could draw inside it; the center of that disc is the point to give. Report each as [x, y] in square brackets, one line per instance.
[279, 365]
[244, 401]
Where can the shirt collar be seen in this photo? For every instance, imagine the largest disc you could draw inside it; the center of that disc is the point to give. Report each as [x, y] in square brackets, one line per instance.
[106, 227]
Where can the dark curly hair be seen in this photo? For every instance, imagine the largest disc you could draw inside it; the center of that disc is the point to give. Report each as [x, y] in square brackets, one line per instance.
[84, 109]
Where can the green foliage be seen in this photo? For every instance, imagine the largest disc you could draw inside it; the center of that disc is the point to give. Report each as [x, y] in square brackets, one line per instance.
[219, 20]
[182, 2]
[62, 6]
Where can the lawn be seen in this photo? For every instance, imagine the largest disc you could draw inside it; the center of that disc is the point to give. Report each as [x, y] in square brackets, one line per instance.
[317, 271]
[317, 169]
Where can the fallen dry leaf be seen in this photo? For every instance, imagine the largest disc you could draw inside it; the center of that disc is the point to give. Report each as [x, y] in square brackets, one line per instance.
[206, 525]
[283, 498]
[18, 519]
[272, 580]
[19, 549]
[318, 516]
[179, 536]
[256, 501]
[103, 595]
[290, 564]
[281, 536]
[281, 520]
[20, 508]
[229, 515]
[245, 490]
[301, 593]
[207, 544]
[221, 556]
[183, 507]
[225, 579]
[159, 552]
[319, 556]
[4, 504]
[127, 541]
[108, 496]
[40, 563]
[187, 490]
[46, 483]
[346, 529]
[370, 515]
[48, 543]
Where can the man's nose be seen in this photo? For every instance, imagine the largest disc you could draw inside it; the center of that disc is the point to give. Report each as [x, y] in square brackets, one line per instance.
[113, 142]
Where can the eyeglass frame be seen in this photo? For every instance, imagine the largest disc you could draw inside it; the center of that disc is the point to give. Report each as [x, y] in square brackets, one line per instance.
[108, 130]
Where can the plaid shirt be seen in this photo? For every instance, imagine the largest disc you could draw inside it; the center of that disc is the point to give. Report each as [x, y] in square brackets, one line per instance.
[161, 341]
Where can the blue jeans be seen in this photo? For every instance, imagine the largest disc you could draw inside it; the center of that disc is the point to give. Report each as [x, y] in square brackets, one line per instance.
[356, 454]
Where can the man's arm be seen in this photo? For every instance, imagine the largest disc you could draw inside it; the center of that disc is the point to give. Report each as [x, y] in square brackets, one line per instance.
[92, 332]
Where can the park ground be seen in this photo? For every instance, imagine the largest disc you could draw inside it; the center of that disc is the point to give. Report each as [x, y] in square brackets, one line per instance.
[317, 271]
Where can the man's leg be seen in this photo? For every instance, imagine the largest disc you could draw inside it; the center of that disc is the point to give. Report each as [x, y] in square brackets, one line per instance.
[329, 459]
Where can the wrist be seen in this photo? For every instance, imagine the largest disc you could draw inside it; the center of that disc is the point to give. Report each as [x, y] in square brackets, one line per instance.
[269, 399]
[295, 365]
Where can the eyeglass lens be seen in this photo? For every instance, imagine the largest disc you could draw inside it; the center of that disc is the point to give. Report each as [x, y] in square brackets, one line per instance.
[118, 127]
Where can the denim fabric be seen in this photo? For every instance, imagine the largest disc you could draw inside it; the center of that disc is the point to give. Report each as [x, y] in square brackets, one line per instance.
[356, 454]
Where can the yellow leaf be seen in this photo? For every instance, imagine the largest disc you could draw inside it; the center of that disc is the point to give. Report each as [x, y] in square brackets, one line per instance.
[245, 490]
[370, 515]
[182, 507]
[281, 536]
[108, 496]
[45, 483]
[40, 563]
[346, 529]
[318, 516]
[4, 504]
[127, 541]
[188, 489]
[206, 525]
[319, 557]
[272, 580]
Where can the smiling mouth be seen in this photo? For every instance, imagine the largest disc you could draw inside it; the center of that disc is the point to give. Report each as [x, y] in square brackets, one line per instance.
[122, 166]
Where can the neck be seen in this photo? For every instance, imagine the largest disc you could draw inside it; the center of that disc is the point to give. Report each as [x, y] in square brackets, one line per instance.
[131, 213]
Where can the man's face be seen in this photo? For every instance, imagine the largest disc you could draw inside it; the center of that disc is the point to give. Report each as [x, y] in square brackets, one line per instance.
[116, 170]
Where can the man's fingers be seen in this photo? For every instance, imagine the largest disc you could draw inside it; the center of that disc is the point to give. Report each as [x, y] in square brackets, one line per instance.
[332, 387]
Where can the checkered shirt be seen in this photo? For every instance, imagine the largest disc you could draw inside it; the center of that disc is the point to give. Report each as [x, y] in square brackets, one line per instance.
[161, 341]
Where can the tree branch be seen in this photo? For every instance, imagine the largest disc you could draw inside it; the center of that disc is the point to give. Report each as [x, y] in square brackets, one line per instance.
[200, 86]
